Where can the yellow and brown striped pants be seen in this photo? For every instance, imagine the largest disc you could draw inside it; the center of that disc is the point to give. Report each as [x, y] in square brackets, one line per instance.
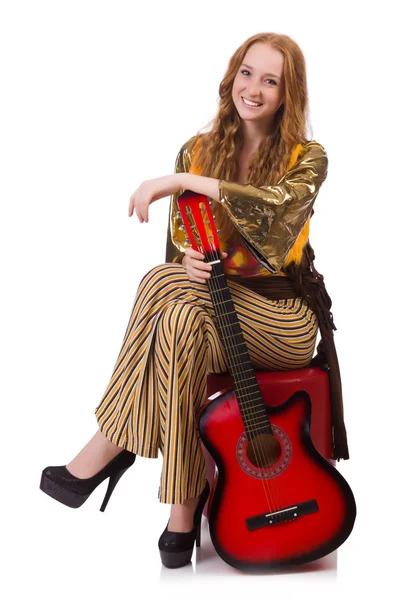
[171, 342]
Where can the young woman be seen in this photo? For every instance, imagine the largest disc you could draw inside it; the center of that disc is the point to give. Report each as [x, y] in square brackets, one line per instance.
[262, 175]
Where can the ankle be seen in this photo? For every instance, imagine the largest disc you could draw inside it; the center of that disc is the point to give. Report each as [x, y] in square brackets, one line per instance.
[95, 455]
[182, 515]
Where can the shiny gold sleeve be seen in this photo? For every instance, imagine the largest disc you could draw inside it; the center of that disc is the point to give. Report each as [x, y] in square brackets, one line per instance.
[271, 218]
[175, 235]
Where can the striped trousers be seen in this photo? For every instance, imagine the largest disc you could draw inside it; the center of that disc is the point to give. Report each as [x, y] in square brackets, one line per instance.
[159, 383]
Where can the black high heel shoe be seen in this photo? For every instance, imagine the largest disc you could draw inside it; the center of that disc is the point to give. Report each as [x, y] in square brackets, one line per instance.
[176, 548]
[61, 485]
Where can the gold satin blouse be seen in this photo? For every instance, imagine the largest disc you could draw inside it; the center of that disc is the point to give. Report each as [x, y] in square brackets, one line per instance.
[262, 228]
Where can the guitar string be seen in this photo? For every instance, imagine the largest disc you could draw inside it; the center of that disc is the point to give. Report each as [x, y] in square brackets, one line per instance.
[258, 449]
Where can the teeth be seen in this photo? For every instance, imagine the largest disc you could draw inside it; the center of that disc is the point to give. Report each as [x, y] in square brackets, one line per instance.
[250, 103]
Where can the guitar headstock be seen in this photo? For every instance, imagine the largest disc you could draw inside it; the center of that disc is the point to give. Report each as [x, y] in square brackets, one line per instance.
[199, 223]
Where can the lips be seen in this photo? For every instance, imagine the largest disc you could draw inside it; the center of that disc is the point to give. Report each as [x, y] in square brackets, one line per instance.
[243, 98]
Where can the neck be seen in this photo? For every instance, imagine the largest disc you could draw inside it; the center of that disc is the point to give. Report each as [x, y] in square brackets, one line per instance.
[254, 135]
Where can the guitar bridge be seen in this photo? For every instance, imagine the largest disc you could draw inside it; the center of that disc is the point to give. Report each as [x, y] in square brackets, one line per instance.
[289, 513]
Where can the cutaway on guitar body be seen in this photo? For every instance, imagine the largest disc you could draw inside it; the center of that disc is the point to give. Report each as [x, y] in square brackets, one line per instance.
[295, 510]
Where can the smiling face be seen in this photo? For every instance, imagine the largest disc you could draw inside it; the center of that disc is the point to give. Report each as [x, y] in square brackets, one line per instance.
[259, 79]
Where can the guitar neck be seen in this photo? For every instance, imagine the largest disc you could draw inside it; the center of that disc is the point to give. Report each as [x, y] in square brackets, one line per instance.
[246, 387]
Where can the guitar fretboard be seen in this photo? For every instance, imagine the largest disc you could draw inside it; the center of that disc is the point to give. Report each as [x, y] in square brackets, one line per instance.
[247, 390]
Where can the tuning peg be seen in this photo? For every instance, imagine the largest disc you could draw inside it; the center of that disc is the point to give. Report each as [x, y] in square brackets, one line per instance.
[182, 227]
[218, 231]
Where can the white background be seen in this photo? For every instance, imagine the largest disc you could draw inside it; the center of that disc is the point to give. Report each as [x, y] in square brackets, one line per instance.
[96, 97]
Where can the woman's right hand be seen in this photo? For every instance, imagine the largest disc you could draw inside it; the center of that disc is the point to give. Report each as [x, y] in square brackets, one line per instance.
[197, 269]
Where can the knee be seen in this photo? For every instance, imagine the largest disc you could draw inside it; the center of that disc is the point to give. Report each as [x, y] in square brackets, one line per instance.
[183, 318]
[163, 272]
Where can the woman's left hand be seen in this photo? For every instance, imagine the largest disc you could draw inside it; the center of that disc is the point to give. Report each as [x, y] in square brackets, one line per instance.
[151, 190]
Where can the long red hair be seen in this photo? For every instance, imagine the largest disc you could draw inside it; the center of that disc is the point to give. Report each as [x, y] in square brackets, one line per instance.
[219, 148]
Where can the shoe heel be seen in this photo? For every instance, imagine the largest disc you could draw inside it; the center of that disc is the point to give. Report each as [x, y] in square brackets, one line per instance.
[198, 535]
[113, 480]
[176, 549]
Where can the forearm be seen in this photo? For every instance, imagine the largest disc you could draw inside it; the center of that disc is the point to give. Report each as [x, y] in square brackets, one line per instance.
[208, 186]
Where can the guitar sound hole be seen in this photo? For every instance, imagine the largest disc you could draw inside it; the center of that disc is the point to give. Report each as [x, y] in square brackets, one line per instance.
[264, 450]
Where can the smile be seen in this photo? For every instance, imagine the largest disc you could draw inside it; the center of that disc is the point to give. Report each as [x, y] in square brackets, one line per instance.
[250, 104]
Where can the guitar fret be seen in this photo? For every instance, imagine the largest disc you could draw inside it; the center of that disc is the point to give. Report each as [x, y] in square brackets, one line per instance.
[248, 362]
[247, 379]
[246, 371]
[231, 346]
[251, 401]
[226, 337]
[249, 394]
[229, 313]
[241, 391]
[244, 398]
[254, 384]
[267, 426]
[223, 302]
[220, 289]
[236, 356]
[235, 368]
[231, 336]
[253, 412]
[255, 391]
[260, 424]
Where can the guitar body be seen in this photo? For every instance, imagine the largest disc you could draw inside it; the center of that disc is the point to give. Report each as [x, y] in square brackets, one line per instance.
[244, 493]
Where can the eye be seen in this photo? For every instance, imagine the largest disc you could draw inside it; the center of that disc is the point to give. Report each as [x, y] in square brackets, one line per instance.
[246, 71]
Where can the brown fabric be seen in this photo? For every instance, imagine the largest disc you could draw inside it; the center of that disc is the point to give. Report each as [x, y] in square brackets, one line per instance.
[275, 287]
[311, 284]
[303, 280]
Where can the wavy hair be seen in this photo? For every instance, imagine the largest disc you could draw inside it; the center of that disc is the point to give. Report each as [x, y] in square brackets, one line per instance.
[218, 149]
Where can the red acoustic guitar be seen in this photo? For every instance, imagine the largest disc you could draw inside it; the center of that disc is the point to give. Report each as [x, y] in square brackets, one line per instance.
[276, 500]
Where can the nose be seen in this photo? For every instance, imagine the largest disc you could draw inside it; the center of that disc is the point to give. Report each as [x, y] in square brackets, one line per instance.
[253, 91]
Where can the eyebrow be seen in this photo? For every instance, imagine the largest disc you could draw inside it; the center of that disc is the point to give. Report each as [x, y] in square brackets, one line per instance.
[271, 74]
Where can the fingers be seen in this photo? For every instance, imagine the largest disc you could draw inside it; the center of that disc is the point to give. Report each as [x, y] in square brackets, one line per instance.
[196, 268]
[194, 253]
[142, 216]
[200, 275]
